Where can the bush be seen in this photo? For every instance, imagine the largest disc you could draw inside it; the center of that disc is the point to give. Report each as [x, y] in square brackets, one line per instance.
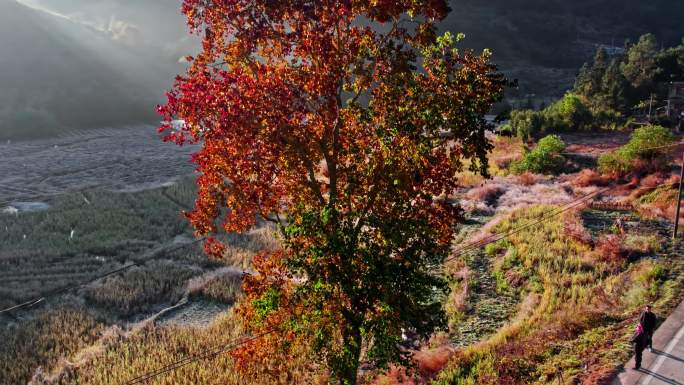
[589, 177]
[527, 179]
[638, 155]
[609, 248]
[488, 193]
[525, 123]
[543, 159]
[567, 114]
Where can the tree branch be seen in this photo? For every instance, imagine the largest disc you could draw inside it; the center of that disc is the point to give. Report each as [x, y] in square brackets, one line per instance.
[308, 163]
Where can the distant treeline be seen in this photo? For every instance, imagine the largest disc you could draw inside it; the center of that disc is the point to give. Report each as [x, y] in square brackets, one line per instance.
[609, 92]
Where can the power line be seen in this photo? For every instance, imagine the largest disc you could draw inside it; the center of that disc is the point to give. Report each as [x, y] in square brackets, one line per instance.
[545, 216]
[550, 213]
[64, 289]
[206, 354]
[213, 353]
[210, 354]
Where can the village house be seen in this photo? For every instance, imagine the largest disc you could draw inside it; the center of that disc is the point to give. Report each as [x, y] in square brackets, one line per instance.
[675, 100]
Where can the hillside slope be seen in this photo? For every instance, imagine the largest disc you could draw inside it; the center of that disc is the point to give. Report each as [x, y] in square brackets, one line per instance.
[56, 75]
[544, 42]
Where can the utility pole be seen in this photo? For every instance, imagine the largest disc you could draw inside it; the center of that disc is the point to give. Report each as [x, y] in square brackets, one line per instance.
[679, 200]
[650, 107]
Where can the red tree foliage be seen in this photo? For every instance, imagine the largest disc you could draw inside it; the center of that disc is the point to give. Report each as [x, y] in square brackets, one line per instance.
[322, 112]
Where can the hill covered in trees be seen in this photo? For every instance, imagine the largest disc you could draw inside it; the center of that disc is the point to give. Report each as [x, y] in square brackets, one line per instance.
[613, 91]
[543, 43]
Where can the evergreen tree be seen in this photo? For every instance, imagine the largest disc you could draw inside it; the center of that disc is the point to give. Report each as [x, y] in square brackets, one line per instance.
[583, 79]
[589, 80]
[670, 63]
[640, 67]
[615, 88]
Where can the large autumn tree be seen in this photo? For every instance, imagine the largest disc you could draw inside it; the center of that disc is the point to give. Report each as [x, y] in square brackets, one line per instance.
[346, 123]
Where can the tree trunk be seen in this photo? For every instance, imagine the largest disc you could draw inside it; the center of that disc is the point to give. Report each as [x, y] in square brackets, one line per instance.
[348, 370]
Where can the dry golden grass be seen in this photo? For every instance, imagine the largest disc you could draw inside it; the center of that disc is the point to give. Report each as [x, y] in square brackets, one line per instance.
[155, 346]
[43, 341]
[579, 308]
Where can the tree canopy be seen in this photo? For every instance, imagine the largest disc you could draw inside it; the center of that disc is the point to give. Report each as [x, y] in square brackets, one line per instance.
[346, 123]
[621, 82]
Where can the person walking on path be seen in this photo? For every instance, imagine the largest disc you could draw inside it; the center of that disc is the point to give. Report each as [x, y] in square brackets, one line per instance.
[639, 340]
[648, 321]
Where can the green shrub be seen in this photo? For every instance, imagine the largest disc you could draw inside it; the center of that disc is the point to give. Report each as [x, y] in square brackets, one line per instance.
[639, 153]
[543, 159]
[613, 163]
[567, 114]
[525, 123]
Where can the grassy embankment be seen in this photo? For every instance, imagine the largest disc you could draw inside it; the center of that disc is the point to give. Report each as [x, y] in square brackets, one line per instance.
[579, 293]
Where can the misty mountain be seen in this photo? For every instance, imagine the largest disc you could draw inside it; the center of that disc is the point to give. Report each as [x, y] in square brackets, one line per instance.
[141, 25]
[58, 75]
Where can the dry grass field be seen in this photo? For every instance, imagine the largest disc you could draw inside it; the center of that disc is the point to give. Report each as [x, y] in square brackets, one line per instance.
[560, 294]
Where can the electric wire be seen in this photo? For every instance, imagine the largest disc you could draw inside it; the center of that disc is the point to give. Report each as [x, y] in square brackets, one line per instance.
[211, 353]
[544, 216]
[67, 288]
[475, 245]
[206, 354]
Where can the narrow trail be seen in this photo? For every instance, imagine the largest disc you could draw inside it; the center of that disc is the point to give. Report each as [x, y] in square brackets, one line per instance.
[489, 309]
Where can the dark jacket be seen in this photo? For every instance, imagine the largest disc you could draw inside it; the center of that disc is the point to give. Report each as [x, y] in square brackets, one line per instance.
[640, 340]
[648, 321]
